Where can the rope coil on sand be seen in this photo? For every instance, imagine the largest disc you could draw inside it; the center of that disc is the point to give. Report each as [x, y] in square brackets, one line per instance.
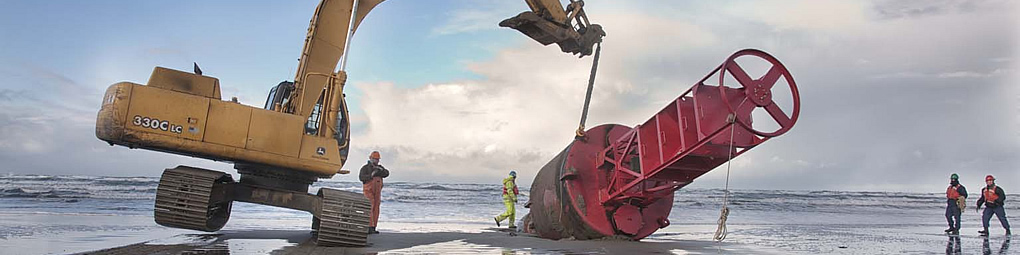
[720, 232]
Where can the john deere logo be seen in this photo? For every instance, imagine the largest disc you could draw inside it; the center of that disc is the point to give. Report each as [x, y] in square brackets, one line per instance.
[320, 151]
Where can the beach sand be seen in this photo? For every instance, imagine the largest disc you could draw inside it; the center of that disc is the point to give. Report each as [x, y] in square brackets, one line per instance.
[419, 238]
[119, 234]
[76, 214]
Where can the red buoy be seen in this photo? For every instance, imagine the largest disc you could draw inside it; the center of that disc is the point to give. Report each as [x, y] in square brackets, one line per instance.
[619, 181]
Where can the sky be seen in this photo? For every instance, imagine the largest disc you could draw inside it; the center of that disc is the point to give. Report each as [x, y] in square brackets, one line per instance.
[895, 95]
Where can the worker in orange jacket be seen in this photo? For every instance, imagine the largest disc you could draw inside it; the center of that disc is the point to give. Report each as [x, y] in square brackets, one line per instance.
[956, 196]
[993, 197]
[371, 176]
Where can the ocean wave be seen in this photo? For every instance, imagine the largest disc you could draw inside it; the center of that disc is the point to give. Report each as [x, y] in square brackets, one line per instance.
[22, 193]
[127, 182]
[34, 177]
[92, 188]
[125, 208]
[445, 188]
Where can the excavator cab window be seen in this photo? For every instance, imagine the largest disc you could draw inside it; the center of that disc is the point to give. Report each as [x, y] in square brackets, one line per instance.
[269, 99]
[342, 140]
[312, 126]
[342, 125]
[278, 94]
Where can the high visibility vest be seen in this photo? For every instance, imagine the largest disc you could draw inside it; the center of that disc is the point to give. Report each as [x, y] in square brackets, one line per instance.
[952, 193]
[510, 188]
[990, 195]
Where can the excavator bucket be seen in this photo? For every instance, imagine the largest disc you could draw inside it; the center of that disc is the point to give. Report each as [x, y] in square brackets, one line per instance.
[546, 32]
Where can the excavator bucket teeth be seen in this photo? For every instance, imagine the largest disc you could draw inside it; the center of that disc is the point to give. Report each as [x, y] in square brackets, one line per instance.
[589, 37]
[547, 32]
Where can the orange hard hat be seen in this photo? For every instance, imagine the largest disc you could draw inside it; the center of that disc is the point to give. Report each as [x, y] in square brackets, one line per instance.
[375, 154]
[989, 178]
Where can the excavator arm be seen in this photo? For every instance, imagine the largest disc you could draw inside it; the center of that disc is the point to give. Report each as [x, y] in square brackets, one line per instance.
[548, 22]
[325, 43]
[317, 90]
[330, 28]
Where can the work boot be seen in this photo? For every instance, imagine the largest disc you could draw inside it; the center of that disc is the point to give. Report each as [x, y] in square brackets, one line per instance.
[497, 221]
[983, 232]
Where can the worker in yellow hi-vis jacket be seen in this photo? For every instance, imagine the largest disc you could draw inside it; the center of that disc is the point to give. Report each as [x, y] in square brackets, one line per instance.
[509, 200]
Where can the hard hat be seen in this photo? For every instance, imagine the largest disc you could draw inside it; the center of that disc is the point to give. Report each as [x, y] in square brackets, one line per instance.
[374, 155]
[954, 176]
[989, 178]
[513, 173]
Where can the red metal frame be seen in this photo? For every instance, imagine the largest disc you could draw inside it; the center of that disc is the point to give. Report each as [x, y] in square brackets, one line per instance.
[661, 159]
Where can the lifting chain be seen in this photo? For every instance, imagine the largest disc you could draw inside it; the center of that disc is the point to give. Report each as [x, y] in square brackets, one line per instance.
[579, 134]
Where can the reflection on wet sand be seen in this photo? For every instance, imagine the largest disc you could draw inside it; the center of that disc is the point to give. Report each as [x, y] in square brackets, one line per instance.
[953, 245]
[484, 242]
[1003, 249]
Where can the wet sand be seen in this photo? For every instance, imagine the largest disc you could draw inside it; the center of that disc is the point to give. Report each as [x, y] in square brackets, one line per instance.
[117, 234]
[419, 239]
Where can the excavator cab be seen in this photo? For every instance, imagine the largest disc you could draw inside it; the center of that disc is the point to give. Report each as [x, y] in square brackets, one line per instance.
[278, 97]
[278, 94]
[548, 22]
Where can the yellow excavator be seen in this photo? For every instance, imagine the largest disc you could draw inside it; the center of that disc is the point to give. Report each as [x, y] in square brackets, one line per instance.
[301, 134]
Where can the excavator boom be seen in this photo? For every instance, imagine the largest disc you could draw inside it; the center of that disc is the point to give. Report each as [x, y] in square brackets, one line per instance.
[325, 44]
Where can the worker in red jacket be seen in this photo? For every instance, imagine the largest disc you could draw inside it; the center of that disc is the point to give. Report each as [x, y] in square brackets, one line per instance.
[993, 197]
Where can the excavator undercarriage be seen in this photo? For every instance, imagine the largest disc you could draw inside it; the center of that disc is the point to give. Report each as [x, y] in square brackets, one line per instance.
[200, 199]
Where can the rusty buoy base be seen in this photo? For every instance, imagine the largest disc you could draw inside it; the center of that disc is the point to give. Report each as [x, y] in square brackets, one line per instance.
[565, 196]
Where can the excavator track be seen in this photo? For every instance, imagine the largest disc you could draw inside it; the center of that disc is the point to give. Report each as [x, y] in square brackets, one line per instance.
[343, 218]
[186, 199]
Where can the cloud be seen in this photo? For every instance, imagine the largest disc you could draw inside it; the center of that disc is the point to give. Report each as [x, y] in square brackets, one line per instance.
[526, 106]
[477, 128]
[464, 21]
[884, 107]
[972, 74]
[899, 9]
[479, 16]
[896, 95]
[11, 95]
[952, 74]
[818, 16]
